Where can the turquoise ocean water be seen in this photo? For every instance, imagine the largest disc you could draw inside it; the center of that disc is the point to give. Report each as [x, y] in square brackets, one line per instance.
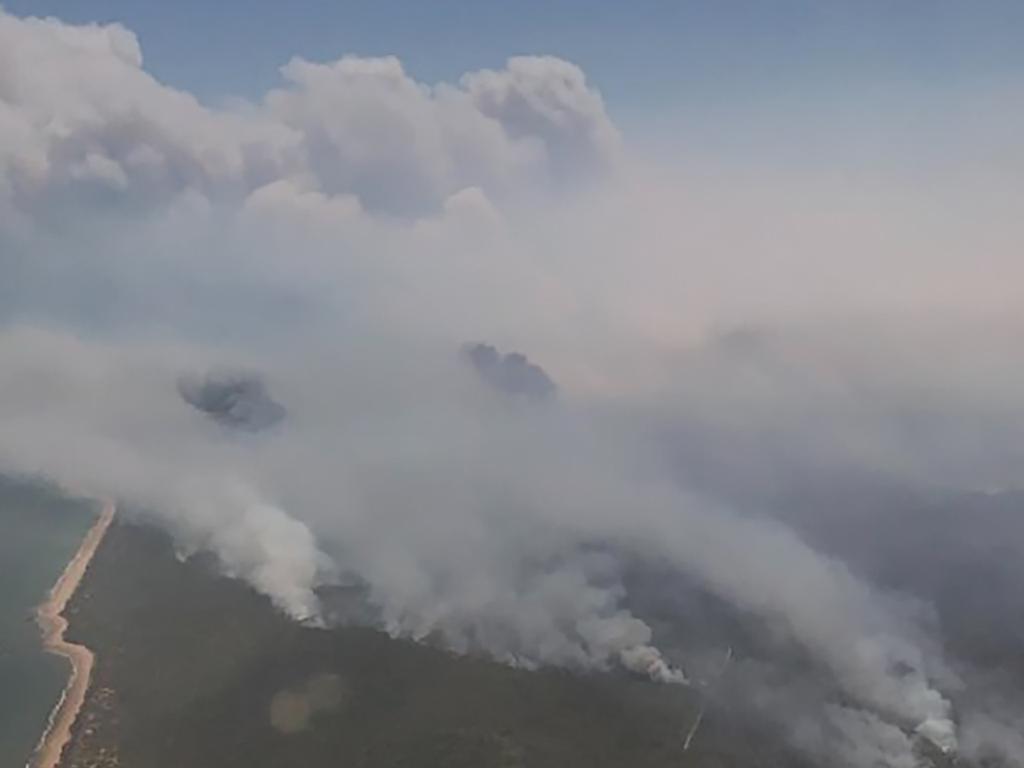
[39, 533]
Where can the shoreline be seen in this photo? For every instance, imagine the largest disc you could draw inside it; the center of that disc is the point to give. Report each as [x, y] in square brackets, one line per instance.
[53, 625]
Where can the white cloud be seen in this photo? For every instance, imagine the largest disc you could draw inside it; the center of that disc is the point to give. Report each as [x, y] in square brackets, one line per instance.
[79, 115]
[548, 98]
[84, 124]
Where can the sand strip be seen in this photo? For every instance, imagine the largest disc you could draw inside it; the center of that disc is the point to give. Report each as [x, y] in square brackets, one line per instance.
[53, 625]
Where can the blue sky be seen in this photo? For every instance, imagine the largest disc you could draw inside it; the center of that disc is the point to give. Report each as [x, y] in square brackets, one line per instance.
[647, 56]
[859, 81]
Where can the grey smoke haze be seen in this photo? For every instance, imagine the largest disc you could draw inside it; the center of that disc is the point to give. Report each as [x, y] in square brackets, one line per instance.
[345, 235]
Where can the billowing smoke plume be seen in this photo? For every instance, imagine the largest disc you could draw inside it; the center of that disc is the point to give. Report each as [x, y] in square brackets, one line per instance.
[345, 235]
[234, 400]
[511, 373]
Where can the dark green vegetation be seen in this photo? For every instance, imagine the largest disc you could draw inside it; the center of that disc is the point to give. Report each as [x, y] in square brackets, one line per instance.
[39, 531]
[198, 670]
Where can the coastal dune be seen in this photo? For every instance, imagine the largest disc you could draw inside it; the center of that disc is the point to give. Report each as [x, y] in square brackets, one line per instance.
[54, 625]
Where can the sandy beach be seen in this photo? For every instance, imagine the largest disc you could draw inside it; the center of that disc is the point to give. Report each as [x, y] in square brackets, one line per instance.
[53, 625]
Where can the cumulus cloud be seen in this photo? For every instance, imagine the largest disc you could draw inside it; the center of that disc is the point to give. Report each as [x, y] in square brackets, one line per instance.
[344, 236]
[546, 98]
[80, 116]
[83, 124]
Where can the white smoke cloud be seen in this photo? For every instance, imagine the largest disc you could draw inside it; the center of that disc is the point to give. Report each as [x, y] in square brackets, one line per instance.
[349, 233]
[994, 736]
[857, 738]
